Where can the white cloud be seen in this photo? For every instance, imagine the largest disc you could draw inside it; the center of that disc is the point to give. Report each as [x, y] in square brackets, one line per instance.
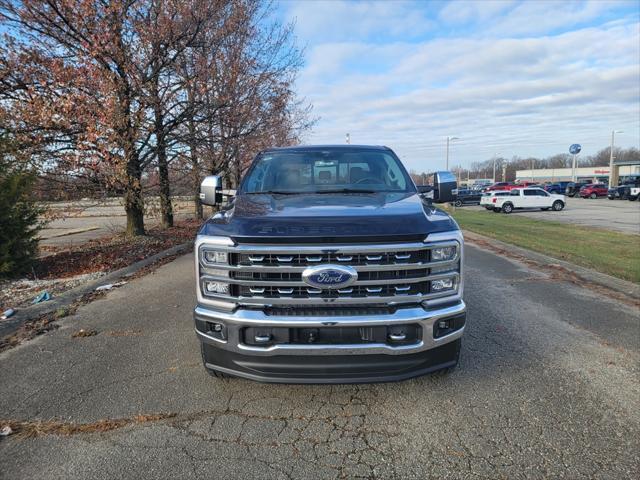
[532, 95]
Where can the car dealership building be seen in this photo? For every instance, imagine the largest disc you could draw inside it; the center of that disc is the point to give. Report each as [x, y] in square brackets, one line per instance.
[623, 170]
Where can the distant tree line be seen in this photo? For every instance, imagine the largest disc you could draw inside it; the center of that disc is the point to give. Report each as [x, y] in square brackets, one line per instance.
[484, 169]
[139, 97]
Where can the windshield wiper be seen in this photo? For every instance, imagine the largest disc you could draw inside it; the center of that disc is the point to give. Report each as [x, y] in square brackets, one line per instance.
[346, 190]
[276, 192]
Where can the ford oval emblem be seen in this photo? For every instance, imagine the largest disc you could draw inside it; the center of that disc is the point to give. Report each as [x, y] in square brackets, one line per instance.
[329, 276]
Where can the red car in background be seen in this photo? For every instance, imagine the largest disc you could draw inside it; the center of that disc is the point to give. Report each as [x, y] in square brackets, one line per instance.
[509, 186]
[594, 190]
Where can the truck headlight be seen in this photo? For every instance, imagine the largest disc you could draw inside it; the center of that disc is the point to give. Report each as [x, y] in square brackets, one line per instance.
[213, 257]
[215, 288]
[439, 254]
[443, 284]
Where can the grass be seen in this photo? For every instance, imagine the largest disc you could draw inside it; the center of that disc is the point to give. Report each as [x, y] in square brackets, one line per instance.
[613, 253]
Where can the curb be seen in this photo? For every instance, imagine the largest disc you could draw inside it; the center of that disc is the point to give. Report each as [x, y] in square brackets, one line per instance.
[12, 324]
[602, 279]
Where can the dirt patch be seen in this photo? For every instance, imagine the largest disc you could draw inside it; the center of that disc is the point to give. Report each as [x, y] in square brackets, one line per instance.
[84, 333]
[79, 264]
[40, 428]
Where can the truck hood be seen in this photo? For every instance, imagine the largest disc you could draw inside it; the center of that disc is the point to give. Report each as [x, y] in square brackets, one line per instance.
[328, 217]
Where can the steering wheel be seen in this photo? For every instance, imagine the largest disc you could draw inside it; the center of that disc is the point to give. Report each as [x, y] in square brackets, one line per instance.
[368, 180]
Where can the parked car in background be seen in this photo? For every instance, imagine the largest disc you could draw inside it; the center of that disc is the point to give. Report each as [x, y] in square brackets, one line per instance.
[594, 190]
[487, 199]
[521, 198]
[497, 186]
[573, 188]
[468, 197]
[620, 192]
[556, 187]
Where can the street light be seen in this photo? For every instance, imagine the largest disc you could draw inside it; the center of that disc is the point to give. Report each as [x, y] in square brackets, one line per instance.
[495, 156]
[611, 175]
[449, 139]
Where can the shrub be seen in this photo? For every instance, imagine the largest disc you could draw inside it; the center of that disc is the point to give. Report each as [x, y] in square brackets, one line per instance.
[19, 223]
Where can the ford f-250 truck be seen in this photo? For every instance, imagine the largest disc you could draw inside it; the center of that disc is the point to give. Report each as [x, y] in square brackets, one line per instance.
[329, 266]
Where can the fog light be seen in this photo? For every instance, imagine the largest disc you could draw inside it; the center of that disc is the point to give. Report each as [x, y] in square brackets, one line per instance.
[216, 287]
[442, 285]
[443, 253]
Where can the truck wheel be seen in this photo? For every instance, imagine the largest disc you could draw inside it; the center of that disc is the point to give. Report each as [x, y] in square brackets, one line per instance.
[496, 210]
[458, 203]
[593, 195]
[213, 373]
[507, 208]
[633, 199]
[557, 206]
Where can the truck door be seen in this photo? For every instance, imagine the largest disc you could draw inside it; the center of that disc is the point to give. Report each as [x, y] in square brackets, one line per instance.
[530, 198]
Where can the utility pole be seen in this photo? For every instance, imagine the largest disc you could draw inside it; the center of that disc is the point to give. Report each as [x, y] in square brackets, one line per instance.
[449, 139]
[612, 178]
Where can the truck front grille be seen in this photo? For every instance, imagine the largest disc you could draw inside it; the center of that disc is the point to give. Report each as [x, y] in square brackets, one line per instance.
[271, 275]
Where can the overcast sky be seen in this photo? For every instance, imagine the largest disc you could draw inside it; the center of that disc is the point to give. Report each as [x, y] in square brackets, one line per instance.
[507, 77]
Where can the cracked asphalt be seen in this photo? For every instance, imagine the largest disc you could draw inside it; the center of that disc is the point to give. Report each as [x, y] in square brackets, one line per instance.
[544, 390]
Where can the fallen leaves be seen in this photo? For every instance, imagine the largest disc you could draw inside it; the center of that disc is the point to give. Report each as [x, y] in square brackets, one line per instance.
[84, 333]
[40, 428]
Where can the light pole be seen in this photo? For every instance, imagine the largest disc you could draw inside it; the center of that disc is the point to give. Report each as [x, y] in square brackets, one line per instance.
[495, 157]
[449, 139]
[612, 177]
[348, 138]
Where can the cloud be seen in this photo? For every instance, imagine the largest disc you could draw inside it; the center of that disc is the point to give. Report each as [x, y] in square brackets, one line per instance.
[526, 94]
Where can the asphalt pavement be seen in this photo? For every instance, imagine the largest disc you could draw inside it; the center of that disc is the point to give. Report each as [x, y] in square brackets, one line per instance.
[542, 391]
[618, 215]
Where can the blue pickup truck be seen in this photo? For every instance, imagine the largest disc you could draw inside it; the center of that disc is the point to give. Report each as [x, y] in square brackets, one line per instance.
[329, 265]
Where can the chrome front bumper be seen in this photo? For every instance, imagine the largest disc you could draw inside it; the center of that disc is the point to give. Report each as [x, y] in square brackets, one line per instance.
[241, 318]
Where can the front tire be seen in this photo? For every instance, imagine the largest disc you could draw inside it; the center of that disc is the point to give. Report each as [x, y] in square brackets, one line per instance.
[458, 203]
[557, 205]
[507, 208]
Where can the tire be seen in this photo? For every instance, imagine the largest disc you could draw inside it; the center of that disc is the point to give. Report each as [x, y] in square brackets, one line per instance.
[458, 203]
[496, 210]
[633, 199]
[213, 373]
[489, 208]
[610, 198]
[446, 371]
[558, 205]
[593, 196]
[507, 208]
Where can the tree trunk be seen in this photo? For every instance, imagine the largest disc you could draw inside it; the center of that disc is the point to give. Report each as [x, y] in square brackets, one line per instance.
[195, 170]
[166, 209]
[133, 203]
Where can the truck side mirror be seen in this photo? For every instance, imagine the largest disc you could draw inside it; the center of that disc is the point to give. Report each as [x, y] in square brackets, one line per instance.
[211, 190]
[443, 188]
[446, 187]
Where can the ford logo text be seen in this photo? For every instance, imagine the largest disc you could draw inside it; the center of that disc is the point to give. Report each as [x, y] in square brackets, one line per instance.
[329, 276]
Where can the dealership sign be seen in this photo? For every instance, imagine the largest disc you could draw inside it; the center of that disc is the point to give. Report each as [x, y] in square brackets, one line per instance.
[575, 149]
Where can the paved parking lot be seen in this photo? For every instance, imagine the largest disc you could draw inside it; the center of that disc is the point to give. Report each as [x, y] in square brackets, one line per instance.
[547, 388]
[620, 215]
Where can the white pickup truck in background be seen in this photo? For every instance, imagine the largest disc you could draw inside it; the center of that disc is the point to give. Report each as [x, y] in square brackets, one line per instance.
[528, 198]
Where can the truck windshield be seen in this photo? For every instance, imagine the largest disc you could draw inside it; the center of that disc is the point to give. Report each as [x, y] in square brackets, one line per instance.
[366, 171]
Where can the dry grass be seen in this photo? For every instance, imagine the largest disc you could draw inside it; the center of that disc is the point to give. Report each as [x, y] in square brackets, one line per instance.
[84, 333]
[41, 428]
